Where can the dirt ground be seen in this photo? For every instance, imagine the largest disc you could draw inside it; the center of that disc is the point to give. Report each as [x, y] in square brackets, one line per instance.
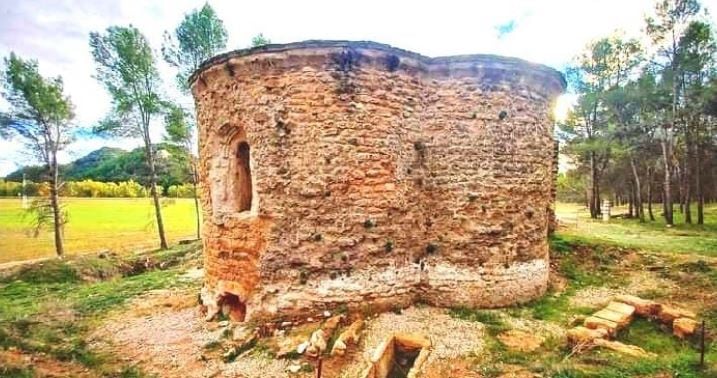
[164, 334]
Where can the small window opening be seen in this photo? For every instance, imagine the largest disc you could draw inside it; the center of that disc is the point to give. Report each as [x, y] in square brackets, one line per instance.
[242, 189]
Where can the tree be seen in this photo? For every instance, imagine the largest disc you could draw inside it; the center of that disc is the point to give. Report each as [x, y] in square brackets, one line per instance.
[41, 115]
[665, 29]
[197, 38]
[696, 50]
[179, 131]
[603, 65]
[259, 40]
[126, 67]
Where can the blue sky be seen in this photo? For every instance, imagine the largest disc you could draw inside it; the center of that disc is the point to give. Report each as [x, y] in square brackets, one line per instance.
[55, 32]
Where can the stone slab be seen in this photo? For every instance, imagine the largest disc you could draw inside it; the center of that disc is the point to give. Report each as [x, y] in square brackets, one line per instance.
[643, 307]
[593, 322]
[621, 319]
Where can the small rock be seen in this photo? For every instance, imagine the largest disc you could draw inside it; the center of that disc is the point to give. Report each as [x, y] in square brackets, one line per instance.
[317, 343]
[309, 320]
[582, 335]
[301, 348]
[643, 307]
[594, 322]
[286, 324]
[327, 314]
[294, 369]
[224, 323]
[669, 313]
[684, 327]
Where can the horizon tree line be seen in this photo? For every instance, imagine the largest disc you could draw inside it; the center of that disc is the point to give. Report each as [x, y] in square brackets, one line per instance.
[42, 115]
[644, 125]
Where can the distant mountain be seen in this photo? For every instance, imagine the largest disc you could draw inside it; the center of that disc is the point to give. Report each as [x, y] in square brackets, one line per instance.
[114, 164]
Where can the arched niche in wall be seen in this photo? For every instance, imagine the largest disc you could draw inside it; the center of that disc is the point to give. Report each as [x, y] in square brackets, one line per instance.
[230, 176]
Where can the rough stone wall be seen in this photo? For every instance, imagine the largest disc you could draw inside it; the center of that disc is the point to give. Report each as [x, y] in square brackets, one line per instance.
[375, 177]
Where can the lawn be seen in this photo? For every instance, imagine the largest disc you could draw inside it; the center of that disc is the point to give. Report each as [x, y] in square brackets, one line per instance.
[95, 224]
[682, 238]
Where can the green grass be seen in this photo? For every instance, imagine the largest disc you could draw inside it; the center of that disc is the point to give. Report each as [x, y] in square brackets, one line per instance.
[50, 307]
[116, 224]
[654, 236]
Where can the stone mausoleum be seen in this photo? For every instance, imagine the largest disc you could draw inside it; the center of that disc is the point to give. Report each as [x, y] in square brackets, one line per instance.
[359, 175]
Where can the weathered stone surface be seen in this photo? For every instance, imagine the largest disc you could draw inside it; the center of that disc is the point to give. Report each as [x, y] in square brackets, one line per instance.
[317, 343]
[355, 173]
[630, 350]
[621, 319]
[643, 307]
[594, 322]
[350, 336]
[622, 308]
[684, 327]
[582, 335]
[669, 313]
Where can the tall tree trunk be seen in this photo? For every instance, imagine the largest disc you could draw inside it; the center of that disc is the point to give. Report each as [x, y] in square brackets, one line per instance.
[698, 186]
[631, 202]
[56, 211]
[666, 156]
[155, 194]
[593, 183]
[680, 185]
[649, 193]
[688, 193]
[638, 191]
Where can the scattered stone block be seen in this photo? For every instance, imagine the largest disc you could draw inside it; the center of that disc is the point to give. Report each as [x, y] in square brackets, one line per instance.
[622, 308]
[643, 307]
[293, 369]
[317, 343]
[583, 335]
[684, 327]
[593, 322]
[350, 336]
[630, 350]
[669, 313]
[621, 319]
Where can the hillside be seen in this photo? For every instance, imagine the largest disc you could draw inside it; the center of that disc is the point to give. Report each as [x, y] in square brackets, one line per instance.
[114, 165]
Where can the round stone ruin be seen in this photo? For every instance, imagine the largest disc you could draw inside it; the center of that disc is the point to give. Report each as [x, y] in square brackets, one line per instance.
[357, 175]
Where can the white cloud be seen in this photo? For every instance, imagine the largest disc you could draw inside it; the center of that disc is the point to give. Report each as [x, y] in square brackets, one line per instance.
[551, 32]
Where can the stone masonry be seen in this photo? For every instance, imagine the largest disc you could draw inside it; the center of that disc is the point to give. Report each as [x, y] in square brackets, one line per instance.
[360, 175]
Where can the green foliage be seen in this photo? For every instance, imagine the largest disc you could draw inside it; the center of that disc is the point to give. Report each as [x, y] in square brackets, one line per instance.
[51, 271]
[127, 69]
[40, 113]
[260, 40]
[48, 307]
[181, 191]
[199, 36]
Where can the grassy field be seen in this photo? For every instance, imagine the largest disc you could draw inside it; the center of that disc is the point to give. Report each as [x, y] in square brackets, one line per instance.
[95, 224]
[50, 310]
[682, 238]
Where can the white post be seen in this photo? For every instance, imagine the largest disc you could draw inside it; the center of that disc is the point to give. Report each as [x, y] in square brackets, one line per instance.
[605, 210]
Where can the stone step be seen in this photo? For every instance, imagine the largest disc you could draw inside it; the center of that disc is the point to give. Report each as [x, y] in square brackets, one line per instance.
[593, 322]
[622, 320]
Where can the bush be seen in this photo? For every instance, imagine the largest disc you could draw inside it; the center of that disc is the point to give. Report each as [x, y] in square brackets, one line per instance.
[181, 191]
[90, 188]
